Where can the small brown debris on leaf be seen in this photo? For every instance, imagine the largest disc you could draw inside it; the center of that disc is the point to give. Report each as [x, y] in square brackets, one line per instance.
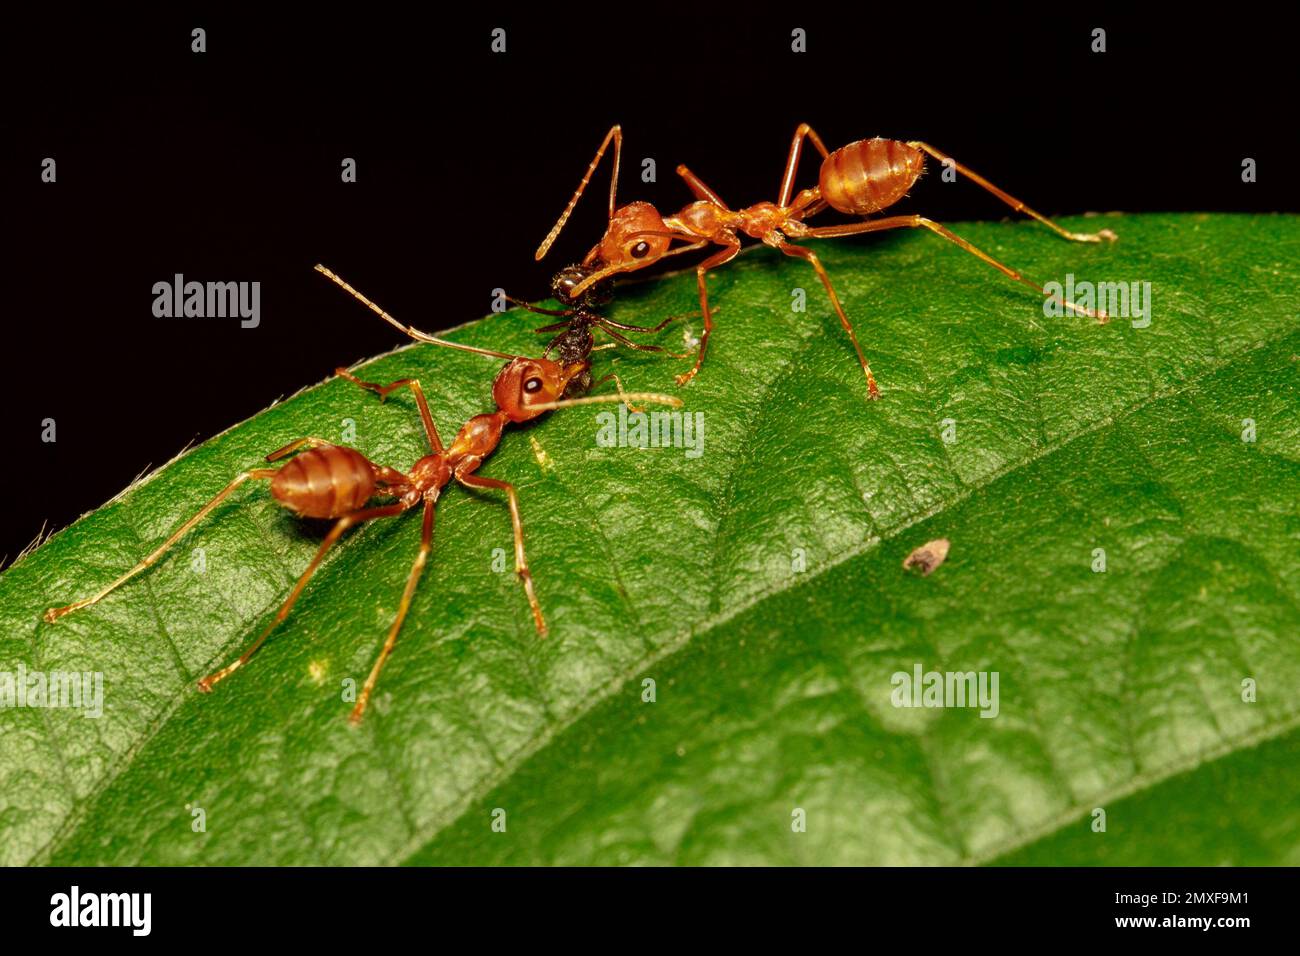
[928, 556]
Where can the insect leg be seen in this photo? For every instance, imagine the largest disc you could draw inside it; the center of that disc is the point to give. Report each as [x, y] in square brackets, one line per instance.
[1011, 200]
[470, 480]
[347, 521]
[528, 306]
[920, 222]
[718, 258]
[426, 541]
[799, 251]
[699, 189]
[430, 429]
[606, 323]
[792, 161]
[54, 613]
[293, 446]
[618, 384]
[622, 339]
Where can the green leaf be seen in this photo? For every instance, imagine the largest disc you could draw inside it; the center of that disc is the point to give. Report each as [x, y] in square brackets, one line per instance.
[1120, 691]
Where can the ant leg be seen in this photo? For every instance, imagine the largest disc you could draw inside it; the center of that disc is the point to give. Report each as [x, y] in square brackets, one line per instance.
[347, 521]
[618, 384]
[806, 206]
[605, 323]
[537, 308]
[640, 347]
[717, 259]
[623, 340]
[799, 251]
[553, 327]
[426, 541]
[698, 189]
[904, 222]
[1010, 200]
[470, 480]
[614, 135]
[550, 347]
[293, 446]
[792, 161]
[54, 613]
[430, 429]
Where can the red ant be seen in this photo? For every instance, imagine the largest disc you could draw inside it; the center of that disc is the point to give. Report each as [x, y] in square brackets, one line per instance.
[859, 179]
[337, 482]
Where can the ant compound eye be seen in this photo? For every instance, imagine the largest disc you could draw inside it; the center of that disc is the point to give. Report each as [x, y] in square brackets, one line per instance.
[533, 385]
[640, 250]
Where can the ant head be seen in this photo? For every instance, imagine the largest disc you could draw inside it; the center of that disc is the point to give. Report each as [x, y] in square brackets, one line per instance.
[526, 383]
[567, 279]
[635, 238]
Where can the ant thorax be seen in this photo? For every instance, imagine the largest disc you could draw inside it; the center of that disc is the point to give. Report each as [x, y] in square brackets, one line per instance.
[703, 219]
[431, 473]
[574, 344]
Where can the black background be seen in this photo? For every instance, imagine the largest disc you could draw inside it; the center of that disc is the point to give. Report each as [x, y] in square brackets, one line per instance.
[225, 166]
[906, 909]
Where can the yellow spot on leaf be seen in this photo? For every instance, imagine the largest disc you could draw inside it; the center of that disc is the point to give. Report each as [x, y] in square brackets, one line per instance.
[543, 459]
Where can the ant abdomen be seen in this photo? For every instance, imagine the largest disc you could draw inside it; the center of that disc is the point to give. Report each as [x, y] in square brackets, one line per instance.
[869, 175]
[328, 481]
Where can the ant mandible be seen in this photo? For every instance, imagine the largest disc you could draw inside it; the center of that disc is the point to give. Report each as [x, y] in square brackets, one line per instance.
[859, 179]
[336, 482]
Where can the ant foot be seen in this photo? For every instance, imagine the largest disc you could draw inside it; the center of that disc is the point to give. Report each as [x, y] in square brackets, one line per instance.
[1105, 234]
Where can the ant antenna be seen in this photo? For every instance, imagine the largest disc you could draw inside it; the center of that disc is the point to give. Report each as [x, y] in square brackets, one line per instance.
[616, 134]
[654, 398]
[409, 330]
